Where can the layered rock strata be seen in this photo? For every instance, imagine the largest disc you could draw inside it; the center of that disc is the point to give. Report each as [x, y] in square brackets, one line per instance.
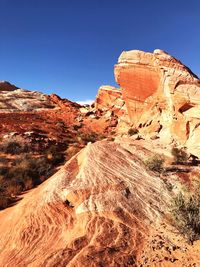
[95, 211]
[161, 95]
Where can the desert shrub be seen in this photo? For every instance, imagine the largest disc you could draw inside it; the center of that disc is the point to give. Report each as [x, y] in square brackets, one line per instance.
[179, 154]
[13, 188]
[132, 131]
[155, 163]
[92, 137]
[186, 214]
[3, 171]
[77, 127]
[34, 168]
[113, 132]
[24, 174]
[14, 146]
[26, 171]
[54, 154]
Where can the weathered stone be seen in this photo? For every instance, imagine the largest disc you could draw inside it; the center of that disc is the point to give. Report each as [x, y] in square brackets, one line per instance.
[161, 94]
[6, 86]
[110, 98]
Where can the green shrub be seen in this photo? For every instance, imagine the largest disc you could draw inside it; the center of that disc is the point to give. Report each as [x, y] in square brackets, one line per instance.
[132, 131]
[155, 163]
[179, 154]
[186, 214]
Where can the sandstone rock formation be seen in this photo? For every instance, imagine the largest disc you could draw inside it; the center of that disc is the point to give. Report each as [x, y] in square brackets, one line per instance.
[161, 95]
[64, 104]
[110, 98]
[13, 99]
[24, 111]
[103, 208]
[96, 210]
[6, 86]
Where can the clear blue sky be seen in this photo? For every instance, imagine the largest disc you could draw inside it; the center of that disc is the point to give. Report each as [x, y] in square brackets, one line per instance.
[69, 47]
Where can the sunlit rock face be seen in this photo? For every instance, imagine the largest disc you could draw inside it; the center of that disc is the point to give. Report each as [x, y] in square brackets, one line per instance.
[161, 96]
[14, 99]
[110, 98]
[95, 211]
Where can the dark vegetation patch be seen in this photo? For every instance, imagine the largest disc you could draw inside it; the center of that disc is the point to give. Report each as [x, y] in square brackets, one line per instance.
[91, 137]
[26, 168]
[155, 163]
[132, 131]
[180, 155]
[186, 211]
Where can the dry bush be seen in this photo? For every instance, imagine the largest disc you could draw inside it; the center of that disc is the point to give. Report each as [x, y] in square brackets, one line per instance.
[186, 211]
[90, 137]
[55, 155]
[13, 189]
[14, 145]
[132, 131]
[155, 163]
[26, 173]
[180, 155]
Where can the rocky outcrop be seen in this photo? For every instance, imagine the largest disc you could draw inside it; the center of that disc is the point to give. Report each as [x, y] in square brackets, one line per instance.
[13, 99]
[6, 86]
[110, 98]
[161, 96]
[111, 105]
[64, 104]
[103, 208]
[95, 211]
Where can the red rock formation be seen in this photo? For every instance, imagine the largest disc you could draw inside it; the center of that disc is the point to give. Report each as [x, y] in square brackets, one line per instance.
[63, 103]
[59, 119]
[101, 209]
[104, 208]
[6, 86]
[90, 213]
[110, 98]
[161, 95]
[107, 95]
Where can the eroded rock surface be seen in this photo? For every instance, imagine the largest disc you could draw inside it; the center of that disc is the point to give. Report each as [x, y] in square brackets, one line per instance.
[103, 208]
[110, 98]
[96, 210]
[13, 99]
[161, 95]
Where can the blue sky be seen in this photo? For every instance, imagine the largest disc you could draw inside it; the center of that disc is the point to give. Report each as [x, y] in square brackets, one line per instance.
[69, 47]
